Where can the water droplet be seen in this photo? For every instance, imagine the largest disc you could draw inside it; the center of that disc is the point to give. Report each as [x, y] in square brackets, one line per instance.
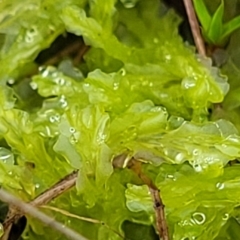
[150, 84]
[30, 34]
[54, 118]
[72, 130]
[171, 177]
[6, 156]
[33, 85]
[86, 85]
[225, 217]
[60, 81]
[197, 167]
[188, 83]
[115, 86]
[10, 173]
[46, 71]
[129, 3]
[168, 58]
[179, 157]
[165, 151]
[196, 152]
[199, 218]
[156, 109]
[28, 39]
[101, 138]
[122, 72]
[220, 186]
[63, 102]
[11, 81]
[73, 140]
[37, 185]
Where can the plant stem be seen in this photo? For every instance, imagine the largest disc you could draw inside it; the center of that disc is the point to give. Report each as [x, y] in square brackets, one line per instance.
[158, 205]
[32, 211]
[195, 27]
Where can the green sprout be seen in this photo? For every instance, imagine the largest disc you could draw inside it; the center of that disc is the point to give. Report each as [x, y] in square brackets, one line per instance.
[214, 30]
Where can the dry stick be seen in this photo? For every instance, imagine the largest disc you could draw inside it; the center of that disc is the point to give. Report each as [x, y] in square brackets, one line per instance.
[195, 27]
[30, 210]
[80, 54]
[159, 212]
[56, 190]
[161, 222]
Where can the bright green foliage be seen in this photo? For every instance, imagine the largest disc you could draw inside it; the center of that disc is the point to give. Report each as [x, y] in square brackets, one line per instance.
[214, 30]
[142, 93]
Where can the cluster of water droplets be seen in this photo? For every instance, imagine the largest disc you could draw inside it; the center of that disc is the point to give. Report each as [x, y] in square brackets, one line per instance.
[69, 131]
[55, 118]
[63, 101]
[74, 135]
[31, 34]
[197, 218]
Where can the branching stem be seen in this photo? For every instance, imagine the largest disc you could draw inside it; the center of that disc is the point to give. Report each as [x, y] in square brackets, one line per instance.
[27, 208]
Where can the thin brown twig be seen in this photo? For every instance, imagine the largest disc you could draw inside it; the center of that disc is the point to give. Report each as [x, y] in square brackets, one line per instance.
[32, 211]
[159, 212]
[80, 54]
[74, 47]
[161, 222]
[56, 190]
[195, 27]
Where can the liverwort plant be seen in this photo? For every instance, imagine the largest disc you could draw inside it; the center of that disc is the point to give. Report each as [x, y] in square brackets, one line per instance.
[102, 103]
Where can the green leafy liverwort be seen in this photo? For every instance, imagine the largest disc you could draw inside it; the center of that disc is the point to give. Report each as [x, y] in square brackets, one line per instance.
[141, 92]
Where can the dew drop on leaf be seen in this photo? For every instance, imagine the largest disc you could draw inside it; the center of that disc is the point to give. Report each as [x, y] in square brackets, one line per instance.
[6, 156]
[115, 86]
[11, 81]
[72, 130]
[188, 82]
[60, 81]
[169, 176]
[129, 3]
[33, 85]
[220, 186]
[196, 152]
[123, 72]
[179, 157]
[225, 217]
[63, 102]
[199, 218]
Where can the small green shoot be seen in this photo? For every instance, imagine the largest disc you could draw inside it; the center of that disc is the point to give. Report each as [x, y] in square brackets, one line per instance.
[214, 30]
